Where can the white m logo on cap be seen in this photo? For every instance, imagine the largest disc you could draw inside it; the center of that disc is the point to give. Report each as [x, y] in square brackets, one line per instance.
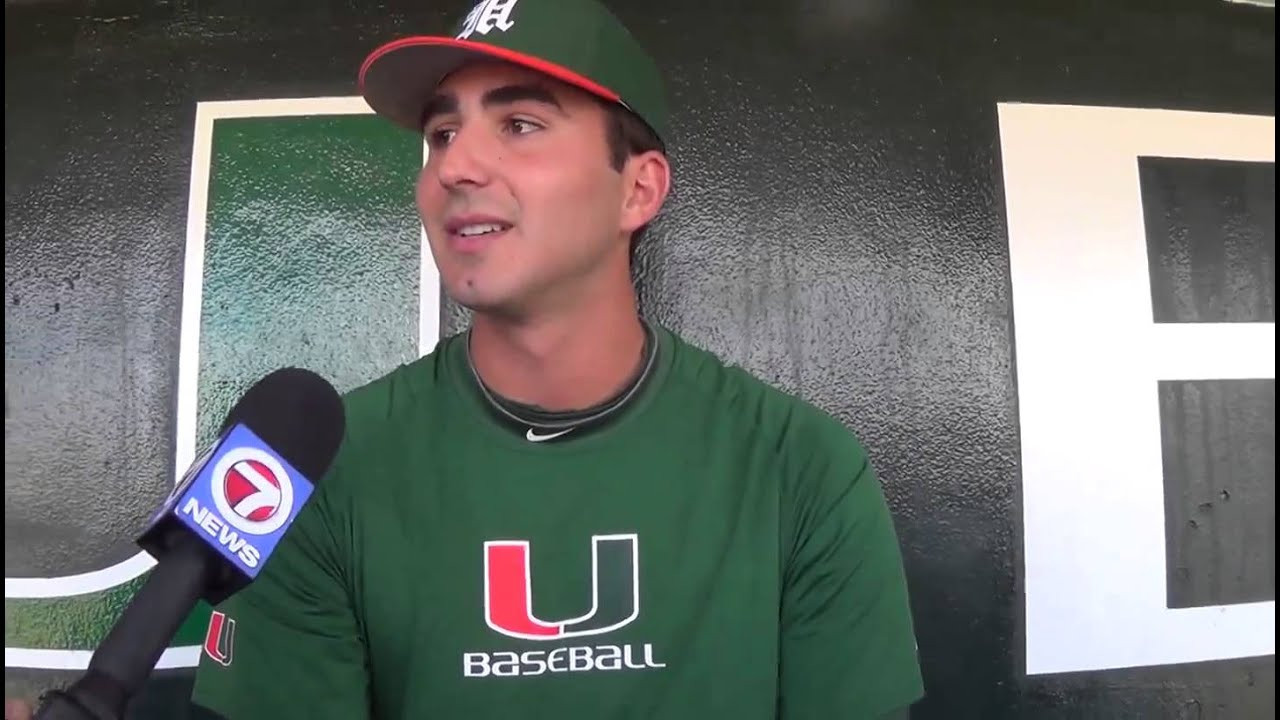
[488, 15]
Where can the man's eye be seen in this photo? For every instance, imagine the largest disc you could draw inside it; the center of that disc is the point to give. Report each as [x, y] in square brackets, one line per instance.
[439, 137]
[522, 127]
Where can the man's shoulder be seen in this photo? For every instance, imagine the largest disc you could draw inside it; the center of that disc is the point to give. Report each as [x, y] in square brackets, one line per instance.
[408, 389]
[760, 409]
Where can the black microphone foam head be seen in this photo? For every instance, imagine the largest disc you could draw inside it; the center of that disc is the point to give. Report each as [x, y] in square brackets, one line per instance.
[299, 417]
[299, 414]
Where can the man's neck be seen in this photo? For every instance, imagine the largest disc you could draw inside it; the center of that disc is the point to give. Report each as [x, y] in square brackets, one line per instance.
[561, 363]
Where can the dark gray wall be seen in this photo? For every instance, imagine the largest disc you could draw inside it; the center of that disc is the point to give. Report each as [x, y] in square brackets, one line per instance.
[837, 225]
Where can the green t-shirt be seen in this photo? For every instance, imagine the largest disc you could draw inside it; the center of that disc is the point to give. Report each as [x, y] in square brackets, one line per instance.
[719, 550]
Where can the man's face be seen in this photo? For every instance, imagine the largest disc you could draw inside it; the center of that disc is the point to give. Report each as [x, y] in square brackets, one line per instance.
[521, 207]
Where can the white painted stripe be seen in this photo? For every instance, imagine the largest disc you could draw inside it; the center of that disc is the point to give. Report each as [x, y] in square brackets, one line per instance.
[428, 288]
[80, 584]
[192, 292]
[284, 107]
[1213, 351]
[174, 657]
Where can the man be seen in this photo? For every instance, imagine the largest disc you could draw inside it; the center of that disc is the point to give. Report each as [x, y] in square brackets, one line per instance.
[566, 511]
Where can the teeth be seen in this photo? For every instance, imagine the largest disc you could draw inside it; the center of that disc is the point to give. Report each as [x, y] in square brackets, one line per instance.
[469, 230]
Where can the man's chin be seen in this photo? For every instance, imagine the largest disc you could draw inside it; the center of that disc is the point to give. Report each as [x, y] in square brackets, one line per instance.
[480, 301]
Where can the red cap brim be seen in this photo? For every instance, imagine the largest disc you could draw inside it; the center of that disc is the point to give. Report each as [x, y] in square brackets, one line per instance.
[398, 78]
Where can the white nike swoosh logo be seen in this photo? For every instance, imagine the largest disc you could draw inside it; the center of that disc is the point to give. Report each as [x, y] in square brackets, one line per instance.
[532, 436]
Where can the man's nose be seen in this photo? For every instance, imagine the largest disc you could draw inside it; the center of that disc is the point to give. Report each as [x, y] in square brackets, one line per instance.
[465, 160]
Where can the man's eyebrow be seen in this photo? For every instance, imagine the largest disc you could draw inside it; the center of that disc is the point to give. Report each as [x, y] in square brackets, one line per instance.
[444, 103]
[508, 94]
[438, 105]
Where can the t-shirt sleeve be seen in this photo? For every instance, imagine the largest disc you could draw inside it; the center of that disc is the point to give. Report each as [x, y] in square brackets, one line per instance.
[848, 647]
[289, 645]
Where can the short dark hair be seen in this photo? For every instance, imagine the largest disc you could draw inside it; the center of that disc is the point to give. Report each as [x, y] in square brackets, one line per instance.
[628, 135]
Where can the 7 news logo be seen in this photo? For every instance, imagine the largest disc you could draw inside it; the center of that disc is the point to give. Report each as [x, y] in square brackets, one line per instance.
[243, 499]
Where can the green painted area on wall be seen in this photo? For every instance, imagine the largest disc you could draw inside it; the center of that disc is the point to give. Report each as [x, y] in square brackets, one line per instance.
[312, 258]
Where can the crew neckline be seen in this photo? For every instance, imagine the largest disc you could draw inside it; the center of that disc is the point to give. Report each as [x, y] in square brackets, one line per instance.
[490, 427]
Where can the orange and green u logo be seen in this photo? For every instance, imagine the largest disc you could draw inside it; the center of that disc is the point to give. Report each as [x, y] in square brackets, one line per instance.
[508, 590]
[219, 637]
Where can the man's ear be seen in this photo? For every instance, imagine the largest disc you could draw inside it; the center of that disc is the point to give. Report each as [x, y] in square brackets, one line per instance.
[648, 180]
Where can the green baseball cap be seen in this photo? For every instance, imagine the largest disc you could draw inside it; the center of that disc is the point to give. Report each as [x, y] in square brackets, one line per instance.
[576, 41]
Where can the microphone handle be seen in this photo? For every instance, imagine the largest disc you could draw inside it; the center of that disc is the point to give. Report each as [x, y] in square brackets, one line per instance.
[124, 660]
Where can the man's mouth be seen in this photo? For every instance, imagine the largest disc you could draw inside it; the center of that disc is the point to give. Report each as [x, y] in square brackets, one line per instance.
[470, 233]
[480, 229]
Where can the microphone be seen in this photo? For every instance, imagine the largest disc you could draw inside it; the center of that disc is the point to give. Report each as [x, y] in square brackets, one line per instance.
[215, 530]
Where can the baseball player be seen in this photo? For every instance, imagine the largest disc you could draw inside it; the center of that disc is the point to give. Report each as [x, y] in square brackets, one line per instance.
[566, 511]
